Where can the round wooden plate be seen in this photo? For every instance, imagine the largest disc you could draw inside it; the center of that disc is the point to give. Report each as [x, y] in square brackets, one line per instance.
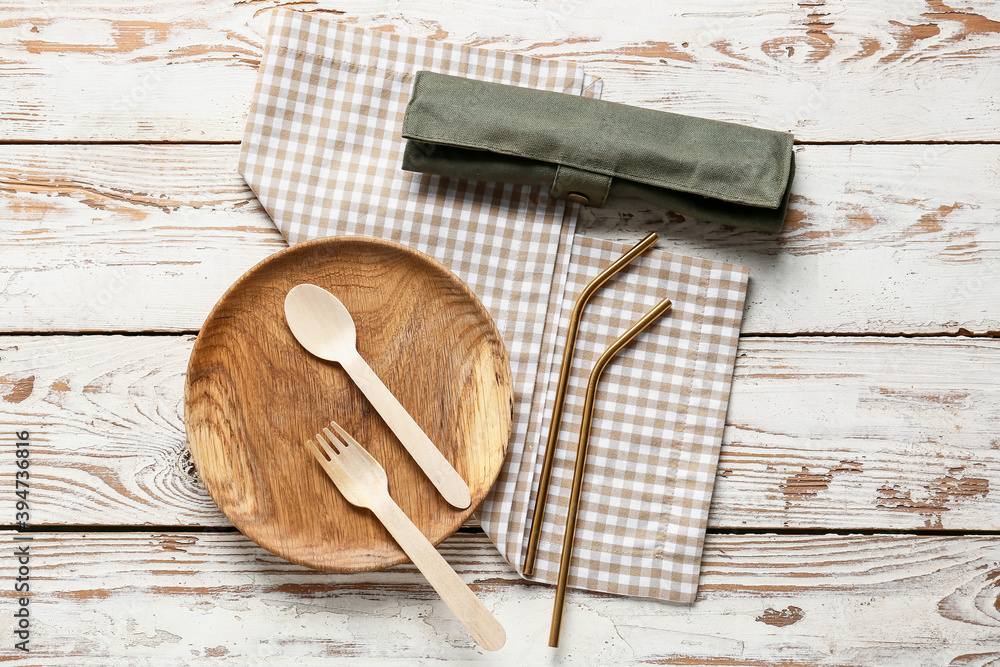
[253, 396]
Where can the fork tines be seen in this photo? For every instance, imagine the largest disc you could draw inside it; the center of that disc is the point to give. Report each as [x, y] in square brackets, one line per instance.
[331, 444]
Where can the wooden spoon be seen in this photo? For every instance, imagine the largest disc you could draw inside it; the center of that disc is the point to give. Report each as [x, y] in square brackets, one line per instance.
[323, 325]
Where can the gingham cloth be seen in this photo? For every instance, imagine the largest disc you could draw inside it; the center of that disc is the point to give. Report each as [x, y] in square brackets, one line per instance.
[322, 150]
[657, 423]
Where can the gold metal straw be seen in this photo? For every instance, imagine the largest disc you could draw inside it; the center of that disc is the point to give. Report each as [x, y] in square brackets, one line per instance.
[581, 461]
[557, 410]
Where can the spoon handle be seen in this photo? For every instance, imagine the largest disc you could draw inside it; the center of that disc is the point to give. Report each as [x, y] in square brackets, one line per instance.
[477, 619]
[430, 459]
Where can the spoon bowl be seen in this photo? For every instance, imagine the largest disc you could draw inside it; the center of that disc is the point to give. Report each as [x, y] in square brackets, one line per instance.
[320, 322]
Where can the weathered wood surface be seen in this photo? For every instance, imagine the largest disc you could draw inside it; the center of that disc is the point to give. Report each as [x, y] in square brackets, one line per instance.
[845, 432]
[138, 238]
[841, 432]
[880, 239]
[862, 433]
[189, 599]
[854, 71]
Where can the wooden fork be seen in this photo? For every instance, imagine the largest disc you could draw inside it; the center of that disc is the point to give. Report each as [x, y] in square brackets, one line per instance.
[363, 482]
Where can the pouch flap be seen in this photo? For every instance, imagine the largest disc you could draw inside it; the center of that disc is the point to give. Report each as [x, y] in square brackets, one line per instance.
[725, 161]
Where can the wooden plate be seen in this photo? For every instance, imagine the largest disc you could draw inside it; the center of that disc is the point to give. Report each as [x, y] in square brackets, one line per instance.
[253, 396]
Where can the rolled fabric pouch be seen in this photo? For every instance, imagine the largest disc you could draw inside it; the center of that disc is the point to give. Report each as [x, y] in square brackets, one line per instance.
[595, 152]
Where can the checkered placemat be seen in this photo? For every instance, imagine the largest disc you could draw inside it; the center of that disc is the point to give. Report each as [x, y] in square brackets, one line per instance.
[322, 152]
[657, 424]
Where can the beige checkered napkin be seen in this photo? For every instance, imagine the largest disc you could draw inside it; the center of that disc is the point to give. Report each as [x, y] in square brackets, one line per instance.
[657, 427]
[322, 151]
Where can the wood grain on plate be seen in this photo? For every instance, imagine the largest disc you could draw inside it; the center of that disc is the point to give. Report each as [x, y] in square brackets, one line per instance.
[253, 396]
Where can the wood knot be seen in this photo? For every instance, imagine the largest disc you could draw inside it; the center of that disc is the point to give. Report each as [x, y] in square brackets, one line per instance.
[186, 465]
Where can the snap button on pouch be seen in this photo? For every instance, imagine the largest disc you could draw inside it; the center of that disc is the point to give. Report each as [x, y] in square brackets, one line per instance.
[580, 186]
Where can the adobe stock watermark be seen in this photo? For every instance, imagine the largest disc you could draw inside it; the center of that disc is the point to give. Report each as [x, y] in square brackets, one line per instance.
[105, 296]
[22, 548]
[556, 12]
[149, 80]
[972, 287]
[713, 32]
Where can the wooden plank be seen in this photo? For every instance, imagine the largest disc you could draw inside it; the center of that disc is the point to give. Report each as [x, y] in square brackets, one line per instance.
[124, 238]
[862, 433]
[185, 70]
[182, 598]
[845, 433]
[887, 239]
[105, 418]
[880, 239]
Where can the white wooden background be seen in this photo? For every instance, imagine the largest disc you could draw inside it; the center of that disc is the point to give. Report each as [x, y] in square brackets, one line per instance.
[856, 519]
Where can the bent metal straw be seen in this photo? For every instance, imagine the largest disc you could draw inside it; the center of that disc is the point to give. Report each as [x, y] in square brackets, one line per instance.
[581, 461]
[557, 409]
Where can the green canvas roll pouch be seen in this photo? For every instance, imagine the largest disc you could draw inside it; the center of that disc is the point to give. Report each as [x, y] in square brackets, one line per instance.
[595, 152]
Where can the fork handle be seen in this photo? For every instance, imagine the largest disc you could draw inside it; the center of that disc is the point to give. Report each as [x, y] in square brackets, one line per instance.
[477, 619]
[442, 474]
